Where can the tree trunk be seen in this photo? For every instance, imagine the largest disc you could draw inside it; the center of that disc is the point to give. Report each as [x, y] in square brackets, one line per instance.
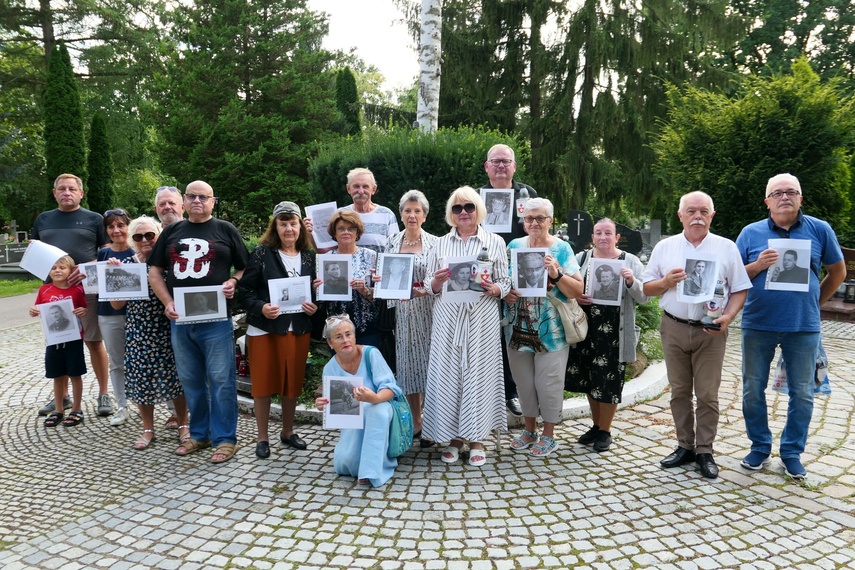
[48, 38]
[430, 65]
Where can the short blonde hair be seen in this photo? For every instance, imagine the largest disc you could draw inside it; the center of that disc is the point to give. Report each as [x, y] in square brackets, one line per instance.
[66, 260]
[67, 176]
[465, 194]
[136, 223]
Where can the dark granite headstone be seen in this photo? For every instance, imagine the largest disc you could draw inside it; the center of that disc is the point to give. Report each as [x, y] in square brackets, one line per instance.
[579, 229]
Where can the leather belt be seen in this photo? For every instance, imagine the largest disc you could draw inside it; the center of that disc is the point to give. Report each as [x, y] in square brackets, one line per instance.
[689, 322]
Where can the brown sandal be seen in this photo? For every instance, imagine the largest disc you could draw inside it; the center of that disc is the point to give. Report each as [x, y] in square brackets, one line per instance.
[225, 449]
[171, 423]
[191, 446]
[183, 437]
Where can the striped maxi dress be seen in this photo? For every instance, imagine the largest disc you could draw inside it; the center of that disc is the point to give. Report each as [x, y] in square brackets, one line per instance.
[464, 396]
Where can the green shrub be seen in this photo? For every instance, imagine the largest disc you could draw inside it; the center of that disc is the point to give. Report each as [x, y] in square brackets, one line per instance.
[435, 163]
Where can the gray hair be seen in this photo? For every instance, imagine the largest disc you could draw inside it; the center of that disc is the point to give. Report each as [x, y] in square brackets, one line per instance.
[695, 193]
[502, 147]
[539, 204]
[357, 171]
[335, 321]
[785, 177]
[413, 196]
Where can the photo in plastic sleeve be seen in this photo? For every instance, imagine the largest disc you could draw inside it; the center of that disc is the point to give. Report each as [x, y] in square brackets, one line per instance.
[604, 283]
[320, 215]
[59, 324]
[792, 270]
[396, 276]
[200, 304]
[343, 411]
[89, 270]
[124, 282]
[500, 209]
[290, 293]
[528, 273]
[459, 287]
[336, 272]
[701, 278]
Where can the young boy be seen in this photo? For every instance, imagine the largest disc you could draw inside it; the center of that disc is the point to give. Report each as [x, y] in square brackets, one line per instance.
[64, 361]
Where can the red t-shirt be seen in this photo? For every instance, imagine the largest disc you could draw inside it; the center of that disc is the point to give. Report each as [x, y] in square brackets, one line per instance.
[49, 293]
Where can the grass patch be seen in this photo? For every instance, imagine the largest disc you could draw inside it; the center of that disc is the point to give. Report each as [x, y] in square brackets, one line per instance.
[19, 287]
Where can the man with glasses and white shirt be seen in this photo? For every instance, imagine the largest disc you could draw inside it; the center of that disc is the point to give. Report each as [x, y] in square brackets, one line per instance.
[500, 167]
[789, 319]
[201, 251]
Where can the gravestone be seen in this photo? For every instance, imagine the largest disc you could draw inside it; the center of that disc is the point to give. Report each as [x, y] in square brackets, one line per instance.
[580, 226]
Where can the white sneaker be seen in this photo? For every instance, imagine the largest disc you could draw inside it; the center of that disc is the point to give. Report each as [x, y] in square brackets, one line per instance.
[120, 417]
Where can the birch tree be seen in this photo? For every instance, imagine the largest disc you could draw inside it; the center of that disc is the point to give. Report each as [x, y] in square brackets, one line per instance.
[430, 65]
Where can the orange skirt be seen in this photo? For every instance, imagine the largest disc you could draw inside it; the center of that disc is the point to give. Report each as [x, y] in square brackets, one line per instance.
[277, 364]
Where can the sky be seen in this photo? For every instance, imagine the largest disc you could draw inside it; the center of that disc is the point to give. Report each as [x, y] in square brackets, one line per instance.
[374, 29]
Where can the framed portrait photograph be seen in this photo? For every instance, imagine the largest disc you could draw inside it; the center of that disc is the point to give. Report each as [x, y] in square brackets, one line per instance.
[90, 272]
[700, 281]
[343, 411]
[461, 287]
[500, 209]
[200, 304]
[605, 285]
[528, 273]
[396, 276]
[336, 272]
[320, 215]
[792, 270]
[122, 282]
[59, 324]
[290, 293]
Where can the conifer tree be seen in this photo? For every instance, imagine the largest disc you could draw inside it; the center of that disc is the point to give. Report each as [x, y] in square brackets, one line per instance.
[64, 146]
[347, 101]
[100, 188]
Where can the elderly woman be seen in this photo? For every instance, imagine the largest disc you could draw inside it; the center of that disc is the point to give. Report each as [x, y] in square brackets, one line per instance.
[112, 321]
[537, 349]
[599, 365]
[150, 375]
[464, 395]
[346, 228]
[413, 317]
[277, 344]
[362, 453]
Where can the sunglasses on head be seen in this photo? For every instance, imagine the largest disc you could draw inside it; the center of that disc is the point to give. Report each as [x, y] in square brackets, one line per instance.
[457, 208]
[139, 237]
[116, 212]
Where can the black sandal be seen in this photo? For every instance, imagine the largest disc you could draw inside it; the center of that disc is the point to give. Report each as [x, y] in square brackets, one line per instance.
[53, 419]
[73, 419]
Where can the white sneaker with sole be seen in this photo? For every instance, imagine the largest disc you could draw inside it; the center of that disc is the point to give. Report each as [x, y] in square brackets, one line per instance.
[120, 417]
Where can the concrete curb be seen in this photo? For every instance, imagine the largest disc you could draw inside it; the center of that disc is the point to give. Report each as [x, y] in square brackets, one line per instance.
[648, 385]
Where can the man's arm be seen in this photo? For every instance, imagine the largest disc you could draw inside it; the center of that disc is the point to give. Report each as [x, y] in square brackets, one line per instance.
[656, 287]
[765, 260]
[158, 285]
[734, 305]
[834, 276]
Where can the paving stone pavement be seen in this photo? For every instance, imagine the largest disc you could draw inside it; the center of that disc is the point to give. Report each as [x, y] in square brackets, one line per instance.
[83, 498]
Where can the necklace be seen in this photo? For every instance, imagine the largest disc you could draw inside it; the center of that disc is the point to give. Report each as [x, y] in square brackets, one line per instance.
[411, 243]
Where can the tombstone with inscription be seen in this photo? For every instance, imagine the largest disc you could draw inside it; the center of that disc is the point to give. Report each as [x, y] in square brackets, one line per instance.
[580, 225]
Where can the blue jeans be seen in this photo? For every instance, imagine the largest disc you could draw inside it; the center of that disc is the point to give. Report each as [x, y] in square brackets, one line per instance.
[799, 350]
[205, 361]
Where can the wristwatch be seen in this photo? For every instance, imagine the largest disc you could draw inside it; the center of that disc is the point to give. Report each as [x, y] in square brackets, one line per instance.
[558, 277]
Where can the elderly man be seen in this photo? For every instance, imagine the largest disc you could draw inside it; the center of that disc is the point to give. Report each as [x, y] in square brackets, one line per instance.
[500, 167]
[531, 271]
[789, 319]
[80, 233]
[168, 205]
[202, 252]
[694, 351]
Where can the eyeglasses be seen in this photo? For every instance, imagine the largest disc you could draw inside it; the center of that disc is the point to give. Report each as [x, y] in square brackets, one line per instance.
[348, 229]
[533, 219]
[778, 194]
[194, 197]
[139, 237]
[457, 208]
[116, 212]
[502, 161]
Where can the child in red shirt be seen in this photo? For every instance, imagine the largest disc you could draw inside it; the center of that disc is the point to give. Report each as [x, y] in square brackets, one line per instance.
[64, 361]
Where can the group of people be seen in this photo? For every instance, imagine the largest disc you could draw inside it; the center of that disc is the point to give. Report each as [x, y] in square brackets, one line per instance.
[462, 366]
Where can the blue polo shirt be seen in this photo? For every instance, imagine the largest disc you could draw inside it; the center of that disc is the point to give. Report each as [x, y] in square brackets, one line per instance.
[786, 311]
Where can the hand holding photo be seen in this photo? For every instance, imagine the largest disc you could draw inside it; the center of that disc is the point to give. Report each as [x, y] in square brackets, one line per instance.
[336, 273]
[290, 293]
[343, 411]
[500, 206]
[792, 270]
[58, 322]
[200, 304]
[604, 282]
[396, 276]
[528, 271]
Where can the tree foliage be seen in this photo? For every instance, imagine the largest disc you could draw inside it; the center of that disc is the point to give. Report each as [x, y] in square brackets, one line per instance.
[65, 150]
[729, 146]
[99, 188]
[347, 101]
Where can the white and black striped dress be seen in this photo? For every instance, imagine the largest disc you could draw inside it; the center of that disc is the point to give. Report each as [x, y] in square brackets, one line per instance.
[464, 397]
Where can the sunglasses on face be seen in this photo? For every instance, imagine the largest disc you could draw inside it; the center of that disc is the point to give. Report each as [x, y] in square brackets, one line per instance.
[139, 237]
[458, 208]
[194, 197]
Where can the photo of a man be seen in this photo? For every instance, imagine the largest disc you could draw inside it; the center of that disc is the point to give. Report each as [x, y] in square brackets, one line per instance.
[59, 321]
[396, 274]
[608, 282]
[203, 303]
[498, 209]
[335, 278]
[531, 270]
[696, 279]
[789, 271]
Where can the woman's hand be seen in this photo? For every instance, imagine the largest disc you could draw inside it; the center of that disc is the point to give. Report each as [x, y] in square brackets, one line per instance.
[270, 311]
[79, 312]
[584, 299]
[628, 276]
[320, 403]
[374, 277]
[359, 285]
[440, 276]
[552, 266]
[309, 308]
[114, 261]
[363, 394]
[317, 283]
[310, 227]
[491, 289]
[512, 296]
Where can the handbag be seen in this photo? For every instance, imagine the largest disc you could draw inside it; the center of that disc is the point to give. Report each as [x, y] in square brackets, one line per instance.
[401, 428]
[572, 317]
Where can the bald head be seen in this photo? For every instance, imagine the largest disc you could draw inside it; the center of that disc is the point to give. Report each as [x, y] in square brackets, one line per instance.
[199, 201]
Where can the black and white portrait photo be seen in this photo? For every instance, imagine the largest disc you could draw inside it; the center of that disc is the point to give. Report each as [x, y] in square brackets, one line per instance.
[122, 282]
[604, 281]
[336, 274]
[320, 215]
[290, 293]
[396, 276]
[791, 272]
[200, 304]
[461, 273]
[90, 279]
[343, 410]
[528, 271]
[699, 284]
[58, 322]
[460, 287]
[500, 209]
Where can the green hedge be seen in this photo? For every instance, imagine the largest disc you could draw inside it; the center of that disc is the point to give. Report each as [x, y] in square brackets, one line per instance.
[401, 160]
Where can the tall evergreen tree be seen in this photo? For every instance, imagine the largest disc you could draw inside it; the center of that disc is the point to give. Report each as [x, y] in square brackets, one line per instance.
[347, 101]
[100, 187]
[65, 150]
